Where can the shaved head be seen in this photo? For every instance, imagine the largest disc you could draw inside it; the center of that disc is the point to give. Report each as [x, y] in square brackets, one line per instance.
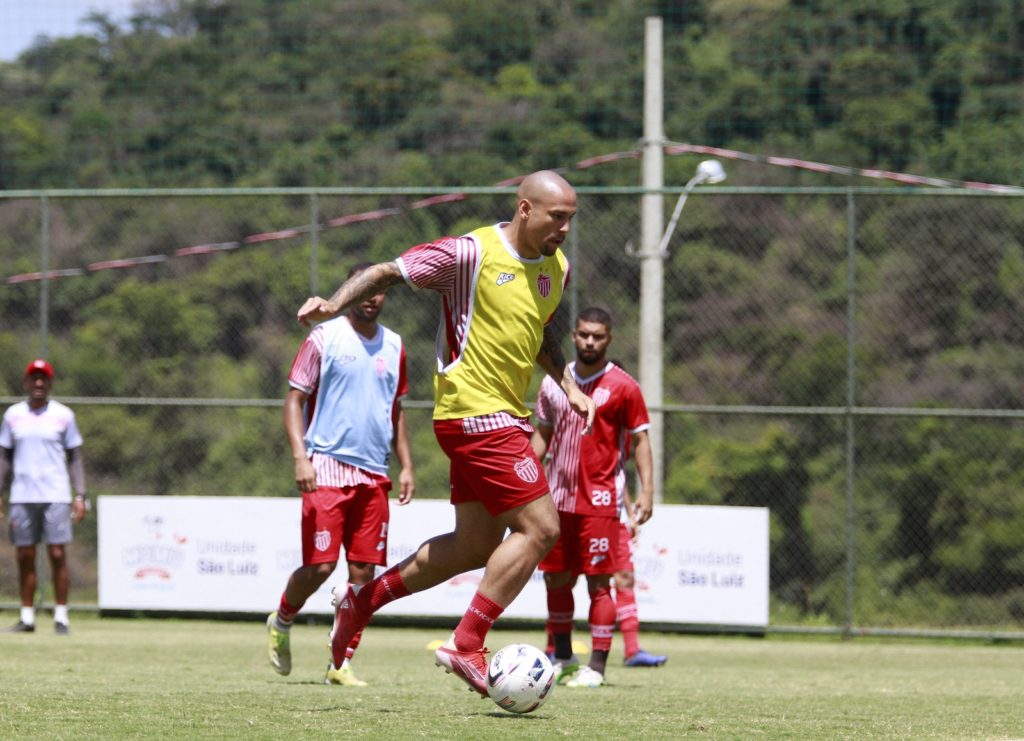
[545, 205]
[543, 186]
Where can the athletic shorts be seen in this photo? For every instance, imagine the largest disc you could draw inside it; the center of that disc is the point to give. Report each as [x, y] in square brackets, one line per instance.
[497, 468]
[30, 523]
[586, 546]
[355, 517]
[624, 546]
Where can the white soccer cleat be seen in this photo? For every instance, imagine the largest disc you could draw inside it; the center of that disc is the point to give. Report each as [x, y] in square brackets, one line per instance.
[586, 677]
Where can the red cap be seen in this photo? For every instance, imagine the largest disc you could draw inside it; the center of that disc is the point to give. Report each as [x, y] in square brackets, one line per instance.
[39, 366]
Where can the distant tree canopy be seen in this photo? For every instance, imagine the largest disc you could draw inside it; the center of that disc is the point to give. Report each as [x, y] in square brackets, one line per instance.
[328, 92]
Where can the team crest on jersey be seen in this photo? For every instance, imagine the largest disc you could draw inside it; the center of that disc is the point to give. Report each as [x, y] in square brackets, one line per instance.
[526, 469]
[504, 278]
[381, 365]
[601, 395]
[543, 284]
[322, 540]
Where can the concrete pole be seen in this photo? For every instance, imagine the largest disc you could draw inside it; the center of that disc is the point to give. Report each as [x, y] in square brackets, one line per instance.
[652, 215]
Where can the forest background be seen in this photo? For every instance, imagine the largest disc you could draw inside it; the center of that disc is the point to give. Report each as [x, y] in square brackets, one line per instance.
[413, 97]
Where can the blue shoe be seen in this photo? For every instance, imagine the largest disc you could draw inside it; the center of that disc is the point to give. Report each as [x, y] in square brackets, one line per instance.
[642, 658]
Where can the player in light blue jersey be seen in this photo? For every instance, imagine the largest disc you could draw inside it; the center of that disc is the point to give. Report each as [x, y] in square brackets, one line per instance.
[343, 413]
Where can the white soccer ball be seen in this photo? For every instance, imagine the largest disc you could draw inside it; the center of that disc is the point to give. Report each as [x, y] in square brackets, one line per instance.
[520, 678]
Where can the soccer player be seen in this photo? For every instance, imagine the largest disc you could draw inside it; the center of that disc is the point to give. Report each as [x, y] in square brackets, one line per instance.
[40, 442]
[500, 286]
[342, 415]
[588, 485]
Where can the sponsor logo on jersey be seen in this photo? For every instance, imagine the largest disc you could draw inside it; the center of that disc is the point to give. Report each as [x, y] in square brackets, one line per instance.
[345, 359]
[595, 560]
[504, 278]
[322, 540]
[526, 469]
[601, 395]
[543, 284]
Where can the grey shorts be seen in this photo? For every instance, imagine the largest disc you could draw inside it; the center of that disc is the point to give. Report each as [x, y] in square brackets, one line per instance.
[30, 523]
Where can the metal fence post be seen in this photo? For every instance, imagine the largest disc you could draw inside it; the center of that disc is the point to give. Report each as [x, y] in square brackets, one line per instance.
[44, 270]
[851, 344]
[314, 239]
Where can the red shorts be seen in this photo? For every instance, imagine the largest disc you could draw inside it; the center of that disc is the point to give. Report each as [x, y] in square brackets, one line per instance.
[586, 546]
[497, 468]
[623, 552]
[355, 517]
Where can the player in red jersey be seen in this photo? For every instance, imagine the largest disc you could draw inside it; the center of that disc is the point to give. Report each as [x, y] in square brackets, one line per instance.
[588, 484]
[500, 286]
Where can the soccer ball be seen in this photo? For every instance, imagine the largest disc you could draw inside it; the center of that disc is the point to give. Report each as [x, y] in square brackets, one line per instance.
[520, 678]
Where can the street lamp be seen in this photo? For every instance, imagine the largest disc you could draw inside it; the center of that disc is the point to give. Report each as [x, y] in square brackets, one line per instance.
[652, 310]
[708, 171]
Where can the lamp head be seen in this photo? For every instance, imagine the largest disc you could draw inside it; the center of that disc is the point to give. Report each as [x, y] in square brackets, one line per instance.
[710, 171]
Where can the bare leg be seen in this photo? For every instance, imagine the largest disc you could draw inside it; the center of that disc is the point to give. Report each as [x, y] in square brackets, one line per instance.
[61, 576]
[27, 578]
[305, 580]
[477, 541]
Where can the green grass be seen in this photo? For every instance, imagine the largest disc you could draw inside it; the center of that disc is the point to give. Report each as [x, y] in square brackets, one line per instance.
[179, 679]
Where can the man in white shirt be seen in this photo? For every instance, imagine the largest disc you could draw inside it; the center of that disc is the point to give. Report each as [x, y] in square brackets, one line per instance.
[40, 442]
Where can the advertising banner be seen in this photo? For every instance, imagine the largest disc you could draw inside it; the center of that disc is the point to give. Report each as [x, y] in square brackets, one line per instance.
[695, 565]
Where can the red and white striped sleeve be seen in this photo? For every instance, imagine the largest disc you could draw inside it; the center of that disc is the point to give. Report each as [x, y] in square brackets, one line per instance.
[435, 265]
[305, 372]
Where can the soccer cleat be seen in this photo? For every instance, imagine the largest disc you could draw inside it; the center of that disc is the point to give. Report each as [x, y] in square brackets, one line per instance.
[586, 677]
[565, 668]
[642, 658]
[20, 627]
[279, 647]
[342, 676]
[348, 620]
[469, 666]
[61, 629]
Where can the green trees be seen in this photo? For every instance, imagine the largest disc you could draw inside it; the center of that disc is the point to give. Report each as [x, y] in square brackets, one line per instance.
[245, 92]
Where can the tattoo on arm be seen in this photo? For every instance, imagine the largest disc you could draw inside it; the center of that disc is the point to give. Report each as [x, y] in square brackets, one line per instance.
[551, 357]
[375, 279]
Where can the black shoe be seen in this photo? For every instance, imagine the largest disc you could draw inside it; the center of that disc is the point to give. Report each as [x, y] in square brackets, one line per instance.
[61, 629]
[20, 627]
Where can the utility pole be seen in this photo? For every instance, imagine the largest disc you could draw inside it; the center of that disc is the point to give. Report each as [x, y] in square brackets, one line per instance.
[652, 319]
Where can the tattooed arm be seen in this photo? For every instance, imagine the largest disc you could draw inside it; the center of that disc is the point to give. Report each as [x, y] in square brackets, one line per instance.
[370, 282]
[552, 360]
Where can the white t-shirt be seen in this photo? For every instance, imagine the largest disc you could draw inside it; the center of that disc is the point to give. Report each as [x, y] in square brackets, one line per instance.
[40, 439]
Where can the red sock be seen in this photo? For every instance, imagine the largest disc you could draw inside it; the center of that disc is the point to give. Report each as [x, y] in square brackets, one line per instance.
[472, 629]
[353, 644]
[384, 589]
[629, 620]
[561, 606]
[286, 612]
[602, 619]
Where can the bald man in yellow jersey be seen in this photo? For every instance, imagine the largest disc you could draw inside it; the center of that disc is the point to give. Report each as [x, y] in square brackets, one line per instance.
[500, 287]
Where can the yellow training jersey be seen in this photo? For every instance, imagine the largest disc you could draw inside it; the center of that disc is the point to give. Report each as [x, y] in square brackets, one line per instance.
[496, 305]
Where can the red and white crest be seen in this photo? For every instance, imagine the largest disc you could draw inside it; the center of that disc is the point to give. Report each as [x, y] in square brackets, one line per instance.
[381, 366]
[601, 395]
[322, 539]
[526, 469]
[543, 284]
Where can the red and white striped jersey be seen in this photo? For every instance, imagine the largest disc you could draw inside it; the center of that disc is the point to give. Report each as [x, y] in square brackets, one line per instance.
[586, 471]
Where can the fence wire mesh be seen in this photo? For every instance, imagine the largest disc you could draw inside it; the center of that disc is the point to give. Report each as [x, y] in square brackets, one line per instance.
[849, 358]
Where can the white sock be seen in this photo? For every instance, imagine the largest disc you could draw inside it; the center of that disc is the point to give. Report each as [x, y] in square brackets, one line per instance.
[60, 614]
[28, 615]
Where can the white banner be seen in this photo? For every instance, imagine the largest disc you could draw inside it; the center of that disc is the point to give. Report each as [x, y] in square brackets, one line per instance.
[694, 565]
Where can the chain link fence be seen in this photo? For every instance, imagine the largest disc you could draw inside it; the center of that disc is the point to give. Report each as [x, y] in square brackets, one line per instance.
[850, 359]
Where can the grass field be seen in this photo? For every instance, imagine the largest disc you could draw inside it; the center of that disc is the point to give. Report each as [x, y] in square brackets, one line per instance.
[180, 679]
